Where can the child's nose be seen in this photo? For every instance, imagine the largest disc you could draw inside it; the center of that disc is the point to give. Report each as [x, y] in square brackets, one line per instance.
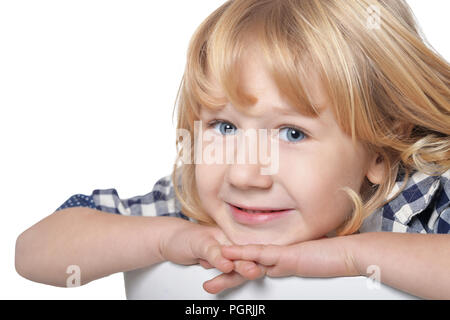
[247, 176]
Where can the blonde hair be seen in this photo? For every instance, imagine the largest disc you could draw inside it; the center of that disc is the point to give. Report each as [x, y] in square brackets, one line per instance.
[388, 88]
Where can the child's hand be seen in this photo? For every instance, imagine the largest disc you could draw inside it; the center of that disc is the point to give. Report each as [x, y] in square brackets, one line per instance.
[189, 243]
[329, 257]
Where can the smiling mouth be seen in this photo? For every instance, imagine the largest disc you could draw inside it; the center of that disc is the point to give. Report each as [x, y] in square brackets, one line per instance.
[255, 210]
[257, 217]
[260, 211]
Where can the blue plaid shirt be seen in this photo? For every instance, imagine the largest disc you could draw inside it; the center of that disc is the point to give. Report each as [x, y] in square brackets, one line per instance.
[422, 207]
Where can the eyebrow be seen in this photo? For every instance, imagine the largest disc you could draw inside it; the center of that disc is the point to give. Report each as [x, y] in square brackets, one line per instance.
[318, 107]
[286, 111]
[292, 112]
[277, 109]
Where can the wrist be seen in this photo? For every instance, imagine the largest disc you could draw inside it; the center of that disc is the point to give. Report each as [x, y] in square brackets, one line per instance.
[351, 247]
[170, 226]
[357, 247]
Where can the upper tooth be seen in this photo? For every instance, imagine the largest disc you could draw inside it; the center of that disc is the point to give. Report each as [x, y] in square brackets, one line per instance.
[255, 211]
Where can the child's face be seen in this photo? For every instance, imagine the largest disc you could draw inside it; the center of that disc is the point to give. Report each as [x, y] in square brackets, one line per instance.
[311, 169]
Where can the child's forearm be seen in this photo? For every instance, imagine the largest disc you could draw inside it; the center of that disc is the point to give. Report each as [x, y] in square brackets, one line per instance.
[415, 263]
[98, 243]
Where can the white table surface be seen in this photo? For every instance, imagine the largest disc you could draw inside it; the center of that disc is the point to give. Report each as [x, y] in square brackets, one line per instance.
[167, 280]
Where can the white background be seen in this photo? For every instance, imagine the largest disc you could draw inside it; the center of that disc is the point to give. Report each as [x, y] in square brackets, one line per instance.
[87, 90]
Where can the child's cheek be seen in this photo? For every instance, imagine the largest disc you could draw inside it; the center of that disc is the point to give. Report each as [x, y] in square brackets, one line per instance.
[314, 187]
[208, 181]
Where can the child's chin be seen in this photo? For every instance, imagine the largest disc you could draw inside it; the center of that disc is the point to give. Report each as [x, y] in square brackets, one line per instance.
[246, 239]
[265, 237]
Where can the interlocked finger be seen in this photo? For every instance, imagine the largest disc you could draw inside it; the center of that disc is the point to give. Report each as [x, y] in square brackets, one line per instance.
[224, 281]
[205, 264]
[249, 269]
[210, 251]
[265, 255]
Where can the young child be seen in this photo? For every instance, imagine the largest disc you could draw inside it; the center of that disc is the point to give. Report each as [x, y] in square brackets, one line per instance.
[361, 108]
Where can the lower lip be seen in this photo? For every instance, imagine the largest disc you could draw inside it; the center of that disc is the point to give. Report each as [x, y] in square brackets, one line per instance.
[256, 218]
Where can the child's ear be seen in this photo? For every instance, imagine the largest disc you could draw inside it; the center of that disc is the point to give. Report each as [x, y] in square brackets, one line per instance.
[376, 171]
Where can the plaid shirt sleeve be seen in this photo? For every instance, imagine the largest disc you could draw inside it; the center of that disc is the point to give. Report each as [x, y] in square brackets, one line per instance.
[161, 201]
[422, 207]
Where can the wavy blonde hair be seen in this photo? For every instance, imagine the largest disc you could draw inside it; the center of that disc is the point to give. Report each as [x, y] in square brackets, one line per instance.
[388, 88]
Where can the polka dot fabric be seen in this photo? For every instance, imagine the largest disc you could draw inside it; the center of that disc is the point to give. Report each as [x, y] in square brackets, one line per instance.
[78, 200]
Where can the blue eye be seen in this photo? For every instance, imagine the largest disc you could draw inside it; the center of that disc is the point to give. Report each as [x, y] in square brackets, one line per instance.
[292, 133]
[223, 126]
